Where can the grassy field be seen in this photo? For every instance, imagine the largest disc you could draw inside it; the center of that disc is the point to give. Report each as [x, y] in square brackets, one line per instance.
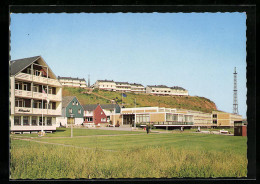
[127, 154]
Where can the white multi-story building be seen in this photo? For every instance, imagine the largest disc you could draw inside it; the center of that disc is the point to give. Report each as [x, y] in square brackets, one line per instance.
[176, 90]
[32, 109]
[105, 84]
[137, 88]
[123, 87]
[165, 90]
[72, 82]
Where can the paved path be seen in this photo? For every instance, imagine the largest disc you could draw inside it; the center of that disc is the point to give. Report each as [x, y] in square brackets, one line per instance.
[22, 137]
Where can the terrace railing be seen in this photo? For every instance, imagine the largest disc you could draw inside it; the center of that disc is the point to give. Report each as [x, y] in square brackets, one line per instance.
[38, 111]
[39, 79]
[168, 123]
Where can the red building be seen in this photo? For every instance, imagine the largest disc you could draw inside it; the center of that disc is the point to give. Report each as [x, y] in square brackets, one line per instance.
[93, 113]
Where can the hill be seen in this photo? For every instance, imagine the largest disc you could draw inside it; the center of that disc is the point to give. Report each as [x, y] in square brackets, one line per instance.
[142, 100]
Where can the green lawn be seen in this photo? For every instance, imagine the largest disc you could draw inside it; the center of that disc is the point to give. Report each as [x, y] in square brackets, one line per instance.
[170, 155]
[66, 132]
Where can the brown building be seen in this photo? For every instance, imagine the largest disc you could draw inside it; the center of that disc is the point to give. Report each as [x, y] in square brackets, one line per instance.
[224, 119]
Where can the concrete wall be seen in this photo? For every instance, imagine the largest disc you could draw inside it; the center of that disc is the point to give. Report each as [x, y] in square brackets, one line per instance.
[157, 117]
[64, 121]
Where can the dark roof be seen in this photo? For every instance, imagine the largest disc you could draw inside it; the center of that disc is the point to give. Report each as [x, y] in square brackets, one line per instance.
[109, 106]
[66, 100]
[122, 83]
[135, 84]
[20, 64]
[177, 87]
[158, 86]
[71, 78]
[90, 107]
[105, 80]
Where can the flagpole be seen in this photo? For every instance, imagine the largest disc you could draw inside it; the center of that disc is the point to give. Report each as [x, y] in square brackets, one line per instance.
[122, 107]
[42, 113]
[135, 114]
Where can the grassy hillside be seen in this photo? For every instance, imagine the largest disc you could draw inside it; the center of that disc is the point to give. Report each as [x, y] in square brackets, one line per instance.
[142, 100]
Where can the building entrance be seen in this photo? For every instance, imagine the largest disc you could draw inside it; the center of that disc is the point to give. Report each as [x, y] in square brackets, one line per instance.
[70, 121]
[128, 119]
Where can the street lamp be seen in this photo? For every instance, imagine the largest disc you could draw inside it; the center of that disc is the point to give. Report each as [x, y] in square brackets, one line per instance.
[71, 131]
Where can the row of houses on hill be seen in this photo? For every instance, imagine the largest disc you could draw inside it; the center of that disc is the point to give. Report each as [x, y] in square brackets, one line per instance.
[139, 88]
[36, 103]
[111, 85]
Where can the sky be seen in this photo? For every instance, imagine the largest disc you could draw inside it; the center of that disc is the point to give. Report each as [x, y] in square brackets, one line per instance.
[196, 51]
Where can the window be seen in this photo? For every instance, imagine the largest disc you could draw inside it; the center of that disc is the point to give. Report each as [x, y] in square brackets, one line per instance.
[25, 87]
[19, 103]
[26, 120]
[18, 86]
[103, 119]
[77, 103]
[175, 117]
[70, 110]
[142, 118]
[73, 103]
[188, 118]
[215, 121]
[50, 90]
[40, 121]
[29, 70]
[215, 115]
[37, 72]
[35, 88]
[45, 89]
[89, 119]
[50, 105]
[34, 120]
[79, 111]
[17, 120]
[35, 104]
[49, 121]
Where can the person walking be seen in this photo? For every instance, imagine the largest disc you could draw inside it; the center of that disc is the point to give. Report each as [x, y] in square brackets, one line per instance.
[147, 129]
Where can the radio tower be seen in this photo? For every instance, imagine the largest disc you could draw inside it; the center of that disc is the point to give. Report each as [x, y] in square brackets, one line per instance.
[88, 81]
[235, 105]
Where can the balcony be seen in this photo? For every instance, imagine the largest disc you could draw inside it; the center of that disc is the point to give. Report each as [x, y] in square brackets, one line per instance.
[30, 94]
[50, 96]
[37, 111]
[39, 79]
[24, 76]
[23, 93]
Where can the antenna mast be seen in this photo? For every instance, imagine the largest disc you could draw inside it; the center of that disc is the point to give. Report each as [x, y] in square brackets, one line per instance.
[88, 80]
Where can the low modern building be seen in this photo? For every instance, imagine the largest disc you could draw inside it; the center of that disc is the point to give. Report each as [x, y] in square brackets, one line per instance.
[224, 119]
[35, 96]
[201, 119]
[72, 112]
[72, 82]
[165, 90]
[158, 116]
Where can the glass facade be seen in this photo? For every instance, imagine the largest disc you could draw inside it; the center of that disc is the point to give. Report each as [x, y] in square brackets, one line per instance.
[142, 118]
